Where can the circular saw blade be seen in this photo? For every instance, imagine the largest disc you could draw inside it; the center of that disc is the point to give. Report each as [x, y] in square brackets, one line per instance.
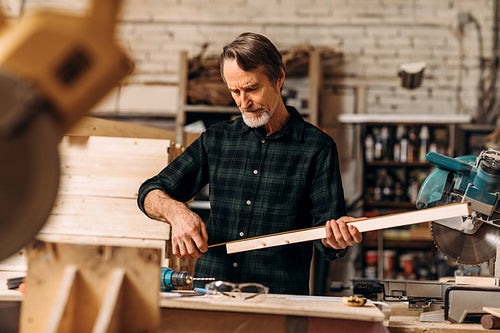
[466, 249]
[29, 179]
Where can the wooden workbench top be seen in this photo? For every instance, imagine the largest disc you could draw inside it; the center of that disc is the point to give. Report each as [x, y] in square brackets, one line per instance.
[308, 306]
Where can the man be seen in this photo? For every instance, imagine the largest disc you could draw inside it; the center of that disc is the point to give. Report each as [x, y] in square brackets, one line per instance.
[268, 172]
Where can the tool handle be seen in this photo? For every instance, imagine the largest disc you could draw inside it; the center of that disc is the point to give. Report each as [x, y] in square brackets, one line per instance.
[489, 321]
[448, 163]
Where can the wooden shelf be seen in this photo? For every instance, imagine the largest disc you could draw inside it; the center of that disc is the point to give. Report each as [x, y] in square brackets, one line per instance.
[401, 243]
[211, 108]
[391, 204]
[398, 164]
[385, 118]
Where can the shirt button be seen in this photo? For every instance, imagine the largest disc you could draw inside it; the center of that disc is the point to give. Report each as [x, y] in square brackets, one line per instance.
[249, 202]
[255, 172]
[242, 234]
[235, 264]
[263, 141]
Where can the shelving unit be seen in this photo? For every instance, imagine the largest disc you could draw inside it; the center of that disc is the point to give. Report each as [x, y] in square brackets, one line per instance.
[185, 110]
[407, 173]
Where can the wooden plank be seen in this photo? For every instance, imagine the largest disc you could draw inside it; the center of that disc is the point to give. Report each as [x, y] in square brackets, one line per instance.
[72, 238]
[114, 157]
[99, 186]
[113, 145]
[92, 126]
[89, 205]
[62, 314]
[108, 317]
[137, 226]
[478, 280]
[492, 311]
[376, 223]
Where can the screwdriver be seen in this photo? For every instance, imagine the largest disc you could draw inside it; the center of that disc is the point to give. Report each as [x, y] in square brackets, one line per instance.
[171, 279]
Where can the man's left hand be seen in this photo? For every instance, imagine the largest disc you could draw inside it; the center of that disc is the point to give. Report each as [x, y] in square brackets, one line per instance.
[340, 235]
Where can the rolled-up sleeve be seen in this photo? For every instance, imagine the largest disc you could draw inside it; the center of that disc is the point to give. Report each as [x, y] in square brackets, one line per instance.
[182, 179]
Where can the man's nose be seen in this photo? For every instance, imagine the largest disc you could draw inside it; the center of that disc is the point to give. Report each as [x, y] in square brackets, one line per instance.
[245, 100]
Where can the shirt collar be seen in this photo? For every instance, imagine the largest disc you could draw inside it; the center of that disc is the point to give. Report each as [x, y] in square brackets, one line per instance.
[294, 128]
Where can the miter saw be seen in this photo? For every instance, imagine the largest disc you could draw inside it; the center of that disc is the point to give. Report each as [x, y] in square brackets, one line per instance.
[466, 240]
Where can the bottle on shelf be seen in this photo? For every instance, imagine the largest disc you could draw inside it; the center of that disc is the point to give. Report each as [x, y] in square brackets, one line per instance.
[387, 191]
[369, 148]
[398, 192]
[384, 140]
[413, 145]
[402, 138]
[424, 137]
[378, 149]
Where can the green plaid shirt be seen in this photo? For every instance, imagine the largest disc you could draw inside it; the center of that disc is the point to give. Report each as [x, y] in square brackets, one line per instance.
[259, 185]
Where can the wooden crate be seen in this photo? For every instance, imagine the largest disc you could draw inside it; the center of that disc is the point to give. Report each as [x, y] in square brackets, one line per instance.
[100, 178]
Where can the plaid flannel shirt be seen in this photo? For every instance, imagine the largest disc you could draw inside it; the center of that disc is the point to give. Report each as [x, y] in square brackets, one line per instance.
[259, 185]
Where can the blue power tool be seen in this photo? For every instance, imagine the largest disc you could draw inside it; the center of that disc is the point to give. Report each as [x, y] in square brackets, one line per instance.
[472, 239]
[171, 279]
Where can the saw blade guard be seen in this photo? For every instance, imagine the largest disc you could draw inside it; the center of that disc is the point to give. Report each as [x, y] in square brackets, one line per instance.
[437, 188]
[472, 239]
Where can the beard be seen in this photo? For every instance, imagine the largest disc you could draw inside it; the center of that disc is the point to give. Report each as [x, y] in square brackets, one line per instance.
[258, 119]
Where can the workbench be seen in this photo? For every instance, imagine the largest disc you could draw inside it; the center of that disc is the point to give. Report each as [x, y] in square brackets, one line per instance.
[298, 314]
[203, 314]
[276, 313]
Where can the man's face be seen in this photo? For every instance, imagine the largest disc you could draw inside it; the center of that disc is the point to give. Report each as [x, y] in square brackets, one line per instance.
[253, 93]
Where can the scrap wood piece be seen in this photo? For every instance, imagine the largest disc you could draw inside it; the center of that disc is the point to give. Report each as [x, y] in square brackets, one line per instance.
[493, 311]
[376, 223]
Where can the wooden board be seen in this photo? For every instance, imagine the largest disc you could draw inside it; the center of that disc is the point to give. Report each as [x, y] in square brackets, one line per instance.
[292, 305]
[492, 311]
[93, 126]
[376, 223]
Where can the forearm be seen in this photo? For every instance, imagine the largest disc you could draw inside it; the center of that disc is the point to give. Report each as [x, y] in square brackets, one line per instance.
[189, 234]
[160, 206]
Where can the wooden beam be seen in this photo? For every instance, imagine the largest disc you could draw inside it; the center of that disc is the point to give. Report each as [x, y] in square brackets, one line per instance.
[376, 223]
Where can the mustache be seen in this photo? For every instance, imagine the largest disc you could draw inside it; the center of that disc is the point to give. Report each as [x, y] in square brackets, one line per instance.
[252, 108]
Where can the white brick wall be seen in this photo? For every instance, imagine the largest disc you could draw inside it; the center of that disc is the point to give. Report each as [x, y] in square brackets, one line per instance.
[374, 35]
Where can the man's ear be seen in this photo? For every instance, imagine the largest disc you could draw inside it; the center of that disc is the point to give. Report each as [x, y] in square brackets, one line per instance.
[281, 80]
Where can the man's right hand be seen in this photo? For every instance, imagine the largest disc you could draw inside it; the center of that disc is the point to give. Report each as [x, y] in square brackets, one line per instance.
[189, 233]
